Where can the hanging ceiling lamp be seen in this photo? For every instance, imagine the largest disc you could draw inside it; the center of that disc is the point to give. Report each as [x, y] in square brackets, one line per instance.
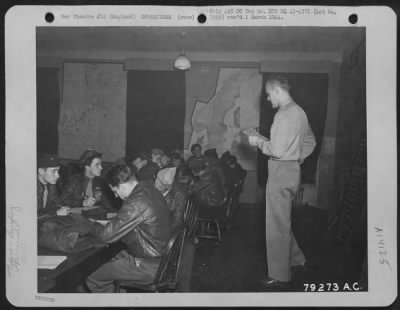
[182, 62]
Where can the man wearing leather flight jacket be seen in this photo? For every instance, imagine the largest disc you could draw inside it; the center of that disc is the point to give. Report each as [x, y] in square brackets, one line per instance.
[143, 224]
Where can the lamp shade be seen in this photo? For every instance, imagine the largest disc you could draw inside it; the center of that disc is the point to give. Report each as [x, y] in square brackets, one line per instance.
[182, 63]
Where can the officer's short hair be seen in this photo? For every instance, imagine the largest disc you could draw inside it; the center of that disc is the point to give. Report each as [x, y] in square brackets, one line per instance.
[280, 81]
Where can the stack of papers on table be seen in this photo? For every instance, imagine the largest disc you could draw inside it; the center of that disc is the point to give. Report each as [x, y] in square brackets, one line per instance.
[50, 262]
[90, 208]
[102, 222]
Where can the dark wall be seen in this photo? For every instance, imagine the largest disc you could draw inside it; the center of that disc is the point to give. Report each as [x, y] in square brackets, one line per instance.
[350, 145]
[352, 111]
[47, 109]
[155, 110]
[310, 91]
[351, 160]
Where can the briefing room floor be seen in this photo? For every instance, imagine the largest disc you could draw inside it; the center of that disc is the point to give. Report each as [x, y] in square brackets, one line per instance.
[238, 262]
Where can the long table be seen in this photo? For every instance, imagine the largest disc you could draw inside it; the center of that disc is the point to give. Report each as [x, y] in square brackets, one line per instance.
[71, 272]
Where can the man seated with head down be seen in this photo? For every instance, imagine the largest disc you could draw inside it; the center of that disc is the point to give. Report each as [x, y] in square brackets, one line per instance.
[212, 161]
[143, 223]
[145, 169]
[208, 190]
[48, 200]
[156, 155]
[175, 194]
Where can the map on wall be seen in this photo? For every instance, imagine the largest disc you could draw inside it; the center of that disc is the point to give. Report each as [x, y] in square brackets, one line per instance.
[93, 110]
[234, 107]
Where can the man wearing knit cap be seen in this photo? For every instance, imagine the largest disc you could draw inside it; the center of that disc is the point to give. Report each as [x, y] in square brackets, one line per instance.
[48, 200]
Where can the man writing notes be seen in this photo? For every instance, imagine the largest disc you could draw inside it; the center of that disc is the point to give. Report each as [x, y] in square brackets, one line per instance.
[291, 141]
[143, 223]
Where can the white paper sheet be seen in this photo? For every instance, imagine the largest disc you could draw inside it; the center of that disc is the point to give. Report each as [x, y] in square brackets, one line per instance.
[50, 262]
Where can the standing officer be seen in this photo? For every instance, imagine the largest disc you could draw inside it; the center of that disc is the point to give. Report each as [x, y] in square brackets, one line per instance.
[291, 141]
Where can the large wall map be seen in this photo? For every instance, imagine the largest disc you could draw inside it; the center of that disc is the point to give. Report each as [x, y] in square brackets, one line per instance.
[93, 110]
[234, 107]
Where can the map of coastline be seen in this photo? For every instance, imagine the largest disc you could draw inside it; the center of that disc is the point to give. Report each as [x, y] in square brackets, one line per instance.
[235, 106]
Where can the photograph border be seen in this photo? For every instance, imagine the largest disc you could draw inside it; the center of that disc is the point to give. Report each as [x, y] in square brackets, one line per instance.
[20, 56]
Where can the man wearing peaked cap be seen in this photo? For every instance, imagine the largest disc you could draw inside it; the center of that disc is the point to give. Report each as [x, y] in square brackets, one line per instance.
[48, 200]
[46, 160]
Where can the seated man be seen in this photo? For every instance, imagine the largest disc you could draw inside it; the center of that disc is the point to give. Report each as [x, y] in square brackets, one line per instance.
[238, 174]
[225, 157]
[88, 188]
[145, 169]
[143, 224]
[48, 200]
[165, 161]
[177, 160]
[175, 194]
[178, 151]
[184, 175]
[212, 161]
[156, 156]
[208, 190]
[197, 160]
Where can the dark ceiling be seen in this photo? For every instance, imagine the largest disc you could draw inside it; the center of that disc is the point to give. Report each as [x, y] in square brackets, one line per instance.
[200, 39]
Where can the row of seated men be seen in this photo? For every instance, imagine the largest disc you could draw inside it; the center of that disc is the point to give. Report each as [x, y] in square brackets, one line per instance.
[152, 191]
[205, 176]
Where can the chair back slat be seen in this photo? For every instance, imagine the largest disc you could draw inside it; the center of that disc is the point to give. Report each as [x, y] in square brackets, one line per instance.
[167, 272]
[168, 269]
[190, 217]
[233, 198]
[229, 203]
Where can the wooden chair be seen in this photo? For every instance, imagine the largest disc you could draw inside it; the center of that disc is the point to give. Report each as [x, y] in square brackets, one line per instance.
[166, 278]
[190, 218]
[209, 217]
[233, 199]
